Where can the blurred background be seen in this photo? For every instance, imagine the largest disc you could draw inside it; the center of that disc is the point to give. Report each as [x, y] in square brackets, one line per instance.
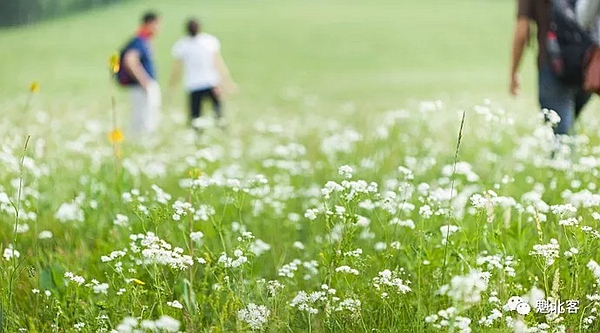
[20, 12]
[286, 56]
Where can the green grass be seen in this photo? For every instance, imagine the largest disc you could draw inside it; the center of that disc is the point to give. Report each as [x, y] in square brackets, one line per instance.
[379, 56]
[312, 76]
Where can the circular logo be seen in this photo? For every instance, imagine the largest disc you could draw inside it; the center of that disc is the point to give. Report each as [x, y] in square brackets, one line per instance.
[513, 302]
[523, 308]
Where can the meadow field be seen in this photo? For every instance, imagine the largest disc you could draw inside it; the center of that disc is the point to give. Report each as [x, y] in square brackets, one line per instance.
[375, 177]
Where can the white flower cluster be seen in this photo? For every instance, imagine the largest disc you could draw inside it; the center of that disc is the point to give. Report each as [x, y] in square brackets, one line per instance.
[346, 171]
[99, 288]
[388, 280]
[349, 189]
[236, 262]
[274, 286]
[493, 317]
[460, 168]
[340, 142]
[121, 220]
[356, 253]
[196, 237]
[161, 196]
[347, 270]
[499, 262]
[447, 231]
[256, 316]
[595, 268]
[182, 209]
[164, 323]
[449, 318]
[289, 270]
[350, 305]
[466, 289]
[481, 201]
[10, 253]
[305, 302]
[258, 247]
[569, 222]
[114, 255]
[562, 210]
[402, 223]
[75, 278]
[72, 211]
[175, 304]
[156, 251]
[550, 252]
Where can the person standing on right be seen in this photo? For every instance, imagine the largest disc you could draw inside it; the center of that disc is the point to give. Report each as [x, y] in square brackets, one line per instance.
[566, 100]
[587, 13]
[205, 73]
[588, 16]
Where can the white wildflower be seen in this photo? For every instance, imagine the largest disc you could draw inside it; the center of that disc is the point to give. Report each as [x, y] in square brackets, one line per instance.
[256, 316]
[175, 304]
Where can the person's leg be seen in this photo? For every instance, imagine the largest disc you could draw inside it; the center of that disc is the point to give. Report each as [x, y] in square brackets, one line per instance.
[554, 95]
[153, 111]
[139, 104]
[195, 104]
[216, 102]
[581, 99]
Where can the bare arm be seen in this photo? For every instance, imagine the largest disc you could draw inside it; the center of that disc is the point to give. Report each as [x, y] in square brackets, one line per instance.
[135, 68]
[224, 71]
[586, 11]
[175, 73]
[519, 40]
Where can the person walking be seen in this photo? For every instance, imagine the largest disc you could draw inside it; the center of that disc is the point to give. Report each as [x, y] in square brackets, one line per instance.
[587, 14]
[138, 73]
[566, 100]
[205, 74]
[588, 17]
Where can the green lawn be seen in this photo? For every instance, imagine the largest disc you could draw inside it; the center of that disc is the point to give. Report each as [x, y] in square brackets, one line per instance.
[378, 56]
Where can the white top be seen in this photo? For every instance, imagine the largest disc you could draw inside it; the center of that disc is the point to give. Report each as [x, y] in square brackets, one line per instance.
[198, 56]
[588, 16]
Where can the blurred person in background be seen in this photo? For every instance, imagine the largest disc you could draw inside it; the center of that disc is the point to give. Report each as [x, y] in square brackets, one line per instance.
[588, 16]
[205, 74]
[138, 73]
[587, 13]
[553, 94]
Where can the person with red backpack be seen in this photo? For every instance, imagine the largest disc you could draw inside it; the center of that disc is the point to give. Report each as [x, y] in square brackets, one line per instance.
[137, 72]
[560, 60]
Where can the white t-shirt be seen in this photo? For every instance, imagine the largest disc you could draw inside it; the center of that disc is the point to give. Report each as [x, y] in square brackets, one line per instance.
[198, 56]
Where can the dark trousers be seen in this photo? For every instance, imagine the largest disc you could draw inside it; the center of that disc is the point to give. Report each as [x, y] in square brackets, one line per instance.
[196, 99]
[567, 101]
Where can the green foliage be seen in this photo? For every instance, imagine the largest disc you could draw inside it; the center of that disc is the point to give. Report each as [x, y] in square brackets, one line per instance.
[19, 12]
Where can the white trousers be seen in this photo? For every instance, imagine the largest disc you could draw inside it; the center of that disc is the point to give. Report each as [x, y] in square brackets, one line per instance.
[146, 108]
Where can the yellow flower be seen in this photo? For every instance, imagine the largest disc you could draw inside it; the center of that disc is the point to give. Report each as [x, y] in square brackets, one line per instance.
[195, 173]
[113, 63]
[141, 283]
[115, 136]
[34, 87]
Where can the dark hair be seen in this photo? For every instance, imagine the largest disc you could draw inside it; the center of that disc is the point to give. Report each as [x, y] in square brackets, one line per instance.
[193, 27]
[149, 17]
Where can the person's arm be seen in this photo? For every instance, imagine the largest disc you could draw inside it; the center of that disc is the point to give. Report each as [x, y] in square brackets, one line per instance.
[135, 68]
[175, 73]
[586, 12]
[226, 80]
[519, 41]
